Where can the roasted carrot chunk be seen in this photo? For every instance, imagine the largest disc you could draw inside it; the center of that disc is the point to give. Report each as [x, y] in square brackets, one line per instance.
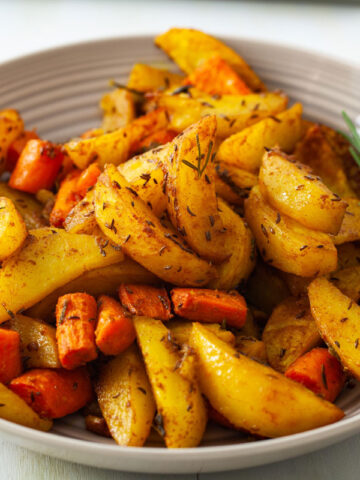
[54, 393]
[213, 306]
[152, 141]
[87, 179]
[37, 167]
[10, 358]
[75, 332]
[17, 146]
[146, 301]
[66, 198]
[320, 372]
[216, 77]
[115, 331]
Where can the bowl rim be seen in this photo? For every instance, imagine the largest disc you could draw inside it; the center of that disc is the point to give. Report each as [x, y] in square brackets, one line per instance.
[345, 427]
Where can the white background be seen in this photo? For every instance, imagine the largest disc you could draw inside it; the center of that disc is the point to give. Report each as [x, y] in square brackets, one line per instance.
[29, 26]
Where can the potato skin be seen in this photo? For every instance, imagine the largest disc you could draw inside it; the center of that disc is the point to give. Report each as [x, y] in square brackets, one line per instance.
[242, 245]
[49, 259]
[145, 78]
[253, 396]
[289, 333]
[293, 191]
[189, 48]
[350, 227]
[173, 380]
[125, 398]
[245, 149]
[338, 320]
[285, 243]
[13, 231]
[141, 234]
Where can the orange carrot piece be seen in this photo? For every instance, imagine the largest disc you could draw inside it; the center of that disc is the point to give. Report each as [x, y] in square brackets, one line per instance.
[87, 179]
[10, 358]
[17, 146]
[152, 141]
[213, 306]
[66, 199]
[216, 77]
[115, 331]
[320, 372]
[75, 332]
[37, 167]
[146, 301]
[54, 393]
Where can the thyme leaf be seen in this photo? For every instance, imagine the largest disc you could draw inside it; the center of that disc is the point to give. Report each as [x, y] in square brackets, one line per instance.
[201, 165]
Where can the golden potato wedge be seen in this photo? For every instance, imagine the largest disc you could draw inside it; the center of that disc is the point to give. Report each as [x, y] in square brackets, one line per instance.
[290, 332]
[142, 235]
[233, 112]
[104, 280]
[13, 231]
[239, 181]
[253, 396]
[190, 48]
[180, 332]
[114, 147]
[350, 227]
[125, 398]
[118, 109]
[288, 245]
[265, 288]
[338, 320]
[320, 149]
[81, 219]
[190, 186]
[245, 149]
[251, 347]
[146, 78]
[347, 280]
[302, 196]
[15, 409]
[11, 125]
[181, 410]
[26, 205]
[348, 255]
[49, 259]
[38, 342]
[242, 245]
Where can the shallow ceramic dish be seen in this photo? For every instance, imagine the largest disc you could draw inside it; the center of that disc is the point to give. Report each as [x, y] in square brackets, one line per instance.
[57, 91]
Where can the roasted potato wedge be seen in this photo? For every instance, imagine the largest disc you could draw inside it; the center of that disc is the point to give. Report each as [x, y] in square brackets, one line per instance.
[49, 259]
[26, 205]
[347, 280]
[15, 409]
[81, 219]
[146, 78]
[285, 243]
[142, 235]
[114, 147]
[265, 288]
[338, 320]
[189, 48]
[38, 342]
[104, 280]
[251, 347]
[125, 398]
[118, 109]
[350, 227]
[302, 196]
[233, 112]
[11, 125]
[192, 205]
[242, 245]
[239, 181]
[181, 410]
[289, 333]
[253, 396]
[245, 149]
[13, 231]
[180, 332]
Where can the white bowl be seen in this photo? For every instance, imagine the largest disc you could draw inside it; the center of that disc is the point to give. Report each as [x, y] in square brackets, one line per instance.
[58, 91]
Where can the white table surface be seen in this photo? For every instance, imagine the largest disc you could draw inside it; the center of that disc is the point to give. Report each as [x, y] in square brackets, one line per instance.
[32, 25]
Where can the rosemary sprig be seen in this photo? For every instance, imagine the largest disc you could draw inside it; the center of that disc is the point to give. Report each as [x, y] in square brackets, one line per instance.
[353, 138]
[200, 167]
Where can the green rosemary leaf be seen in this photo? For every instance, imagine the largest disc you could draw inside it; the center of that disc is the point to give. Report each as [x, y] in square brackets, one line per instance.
[190, 165]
